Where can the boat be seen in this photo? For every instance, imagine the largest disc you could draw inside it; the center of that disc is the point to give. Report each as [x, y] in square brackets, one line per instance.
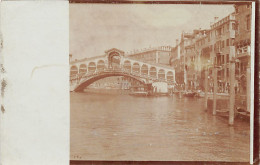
[189, 94]
[199, 93]
[139, 93]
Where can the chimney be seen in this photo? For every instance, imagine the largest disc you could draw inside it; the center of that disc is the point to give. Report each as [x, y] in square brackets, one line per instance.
[70, 58]
[215, 19]
[177, 42]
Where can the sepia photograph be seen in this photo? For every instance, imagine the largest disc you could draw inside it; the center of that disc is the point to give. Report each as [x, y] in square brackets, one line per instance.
[93, 82]
[161, 82]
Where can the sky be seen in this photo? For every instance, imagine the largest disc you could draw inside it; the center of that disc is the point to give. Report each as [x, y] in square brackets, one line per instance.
[95, 28]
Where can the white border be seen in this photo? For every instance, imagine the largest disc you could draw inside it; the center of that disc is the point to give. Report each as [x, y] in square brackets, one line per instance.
[252, 84]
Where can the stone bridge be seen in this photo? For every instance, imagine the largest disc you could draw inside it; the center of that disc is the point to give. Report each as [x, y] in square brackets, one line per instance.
[115, 63]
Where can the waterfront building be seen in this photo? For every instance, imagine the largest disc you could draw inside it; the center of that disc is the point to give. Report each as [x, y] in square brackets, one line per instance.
[202, 50]
[242, 44]
[185, 60]
[222, 34]
[157, 55]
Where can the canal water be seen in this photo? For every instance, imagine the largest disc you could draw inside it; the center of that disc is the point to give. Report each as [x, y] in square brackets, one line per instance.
[124, 127]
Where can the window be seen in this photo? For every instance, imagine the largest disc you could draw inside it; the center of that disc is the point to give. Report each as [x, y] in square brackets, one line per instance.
[219, 32]
[248, 22]
[227, 72]
[233, 26]
[239, 50]
[228, 27]
[245, 49]
[236, 8]
[227, 58]
[232, 42]
[227, 42]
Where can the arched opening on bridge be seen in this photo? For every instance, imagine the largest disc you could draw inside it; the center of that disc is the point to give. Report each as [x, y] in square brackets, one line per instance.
[114, 60]
[91, 67]
[153, 72]
[127, 66]
[73, 70]
[144, 70]
[82, 69]
[136, 68]
[170, 76]
[100, 65]
[161, 74]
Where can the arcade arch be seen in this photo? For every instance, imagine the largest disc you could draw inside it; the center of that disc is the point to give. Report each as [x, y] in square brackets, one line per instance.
[127, 66]
[170, 76]
[82, 69]
[136, 68]
[91, 67]
[161, 74]
[73, 70]
[153, 72]
[100, 65]
[144, 70]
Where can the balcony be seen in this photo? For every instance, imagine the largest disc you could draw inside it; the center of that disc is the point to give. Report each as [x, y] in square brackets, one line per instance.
[243, 52]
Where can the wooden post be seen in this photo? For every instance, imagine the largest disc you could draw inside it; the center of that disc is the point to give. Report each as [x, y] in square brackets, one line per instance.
[232, 93]
[248, 92]
[206, 90]
[185, 79]
[180, 94]
[215, 90]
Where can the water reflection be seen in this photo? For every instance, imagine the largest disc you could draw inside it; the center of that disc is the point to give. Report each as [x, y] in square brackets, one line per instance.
[123, 127]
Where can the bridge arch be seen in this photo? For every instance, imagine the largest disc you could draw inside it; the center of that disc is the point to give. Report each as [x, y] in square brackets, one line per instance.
[89, 80]
[170, 76]
[92, 67]
[144, 70]
[136, 68]
[100, 65]
[153, 72]
[73, 70]
[82, 69]
[127, 65]
[161, 74]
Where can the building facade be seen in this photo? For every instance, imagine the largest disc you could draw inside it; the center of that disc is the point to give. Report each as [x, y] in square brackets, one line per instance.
[202, 50]
[243, 54]
[221, 39]
[185, 59]
[157, 55]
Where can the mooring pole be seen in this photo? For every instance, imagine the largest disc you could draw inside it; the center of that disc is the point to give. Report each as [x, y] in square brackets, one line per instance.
[232, 93]
[215, 90]
[206, 90]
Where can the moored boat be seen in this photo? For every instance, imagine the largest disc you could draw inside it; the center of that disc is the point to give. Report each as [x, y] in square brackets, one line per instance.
[139, 93]
[199, 93]
[189, 94]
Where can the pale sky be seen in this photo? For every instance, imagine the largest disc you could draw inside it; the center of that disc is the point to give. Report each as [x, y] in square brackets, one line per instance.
[95, 28]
